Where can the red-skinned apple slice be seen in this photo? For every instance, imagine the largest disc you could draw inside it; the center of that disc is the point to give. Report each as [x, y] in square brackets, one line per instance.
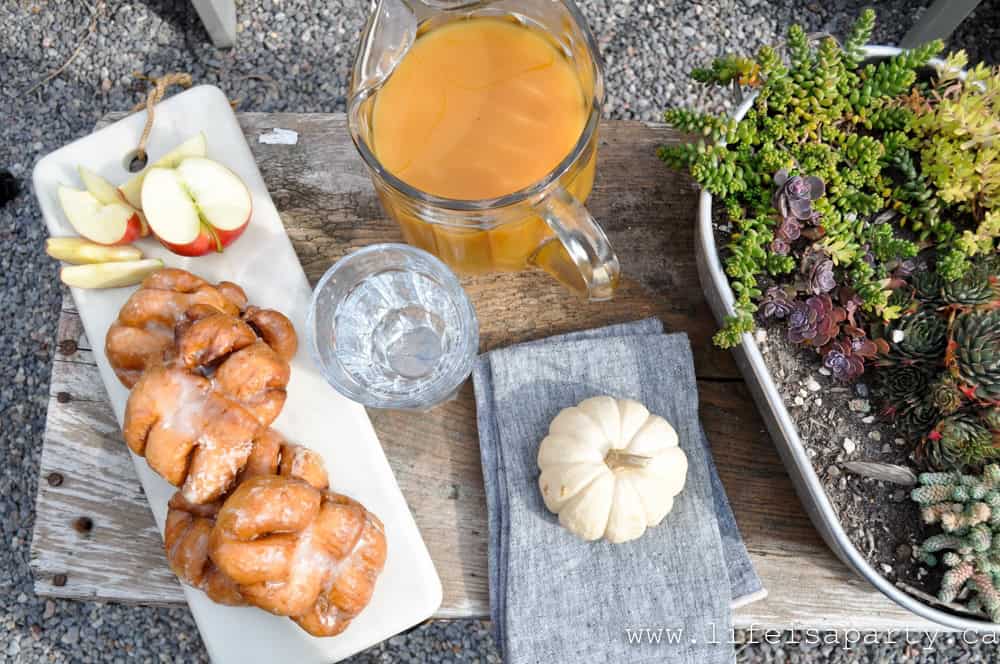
[195, 146]
[107, 193]
[111, 224]
[198, 207]
[221, 196]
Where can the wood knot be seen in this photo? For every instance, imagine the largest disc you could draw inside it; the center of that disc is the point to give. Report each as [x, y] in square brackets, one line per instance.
[68, 346]
[54, 479]
[59, 580]
[64, 397]
[83, 525]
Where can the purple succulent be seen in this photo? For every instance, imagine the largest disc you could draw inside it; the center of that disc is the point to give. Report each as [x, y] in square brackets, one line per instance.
[851, 302]
[821, 278]
[779, 246]
[789, 230]
[868, 256]
[904, 270]
[795, 195]
[864, 347]
[845, 365]
[816, 268]
[775, 303]
[815, 322]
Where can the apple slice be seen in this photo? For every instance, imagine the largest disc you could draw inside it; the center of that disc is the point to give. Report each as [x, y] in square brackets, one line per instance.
[223, 199]
[114, 223]
[107, 193]
[101, 189]
[195, 146]
[109, 275]
[79, 251]
[197, 207]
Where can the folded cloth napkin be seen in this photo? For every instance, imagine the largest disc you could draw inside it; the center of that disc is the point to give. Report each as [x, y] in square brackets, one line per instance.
[555, 598]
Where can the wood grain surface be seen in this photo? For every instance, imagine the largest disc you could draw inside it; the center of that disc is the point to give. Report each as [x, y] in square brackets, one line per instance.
[94, 536]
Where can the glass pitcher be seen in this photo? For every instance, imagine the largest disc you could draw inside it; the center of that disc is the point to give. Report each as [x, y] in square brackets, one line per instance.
[544, 224]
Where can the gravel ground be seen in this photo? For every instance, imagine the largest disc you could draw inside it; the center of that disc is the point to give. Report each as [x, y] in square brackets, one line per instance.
[295, 55]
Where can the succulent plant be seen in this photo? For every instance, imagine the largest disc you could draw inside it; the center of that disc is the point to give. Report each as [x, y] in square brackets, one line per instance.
[951, 334]
[776, 303]
[919, 337]
[959, 440]
[901, 299]
[906, 382]
[788, 231]
[927, 286]
[729, 68]
[811, 164]
[946, 395]
[904, 269]
[974, 353]
[844, 363]
[852, 304]
[864, 347]
[821, 279]
[881, 172]
[793, 199]
[967, 507]
[815, 322]
[991, 263]
[957, 132]
[916, 418]
[794, 195]
[974, 288]
[991, 418]
[848, 143]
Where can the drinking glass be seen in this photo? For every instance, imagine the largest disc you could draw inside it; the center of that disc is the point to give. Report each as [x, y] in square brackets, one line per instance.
[543, 225]
[390, 327]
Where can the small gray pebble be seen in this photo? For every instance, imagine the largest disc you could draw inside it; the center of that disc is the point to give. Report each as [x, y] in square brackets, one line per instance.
[71, 636]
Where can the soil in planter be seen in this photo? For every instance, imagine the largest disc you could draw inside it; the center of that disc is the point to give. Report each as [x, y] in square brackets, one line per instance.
[838, 424]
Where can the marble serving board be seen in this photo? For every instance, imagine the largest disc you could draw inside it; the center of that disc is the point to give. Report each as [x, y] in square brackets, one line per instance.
[264, 263]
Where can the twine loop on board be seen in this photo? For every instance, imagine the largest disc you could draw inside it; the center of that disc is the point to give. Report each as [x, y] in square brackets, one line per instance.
[155, 95]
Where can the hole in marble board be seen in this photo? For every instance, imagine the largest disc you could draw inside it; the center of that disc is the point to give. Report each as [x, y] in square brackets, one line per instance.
[133, 163]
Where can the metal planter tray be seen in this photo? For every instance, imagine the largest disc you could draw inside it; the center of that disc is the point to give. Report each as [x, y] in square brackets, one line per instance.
[780, 425]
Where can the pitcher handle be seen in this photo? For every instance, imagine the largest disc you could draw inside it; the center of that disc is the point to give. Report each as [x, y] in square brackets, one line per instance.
[580, 256]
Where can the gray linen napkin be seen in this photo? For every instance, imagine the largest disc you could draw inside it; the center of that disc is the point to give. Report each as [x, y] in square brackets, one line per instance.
[555, 598]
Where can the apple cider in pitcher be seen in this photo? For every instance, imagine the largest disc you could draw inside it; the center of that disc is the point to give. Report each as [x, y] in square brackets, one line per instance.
[480, 108]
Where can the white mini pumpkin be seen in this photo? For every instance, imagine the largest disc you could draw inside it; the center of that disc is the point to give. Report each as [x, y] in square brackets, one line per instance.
[610, 469]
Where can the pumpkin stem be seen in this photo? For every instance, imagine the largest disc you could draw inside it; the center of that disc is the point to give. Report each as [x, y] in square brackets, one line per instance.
[618, 459]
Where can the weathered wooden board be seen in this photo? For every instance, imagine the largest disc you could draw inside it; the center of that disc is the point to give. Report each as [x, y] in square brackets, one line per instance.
[94, 537]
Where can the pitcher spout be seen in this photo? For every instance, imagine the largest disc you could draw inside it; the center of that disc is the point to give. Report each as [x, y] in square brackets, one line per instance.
[388, 36]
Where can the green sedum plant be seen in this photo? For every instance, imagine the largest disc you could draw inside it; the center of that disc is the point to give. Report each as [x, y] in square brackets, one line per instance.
[957, 123]
[819, 115]
[907, 164]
